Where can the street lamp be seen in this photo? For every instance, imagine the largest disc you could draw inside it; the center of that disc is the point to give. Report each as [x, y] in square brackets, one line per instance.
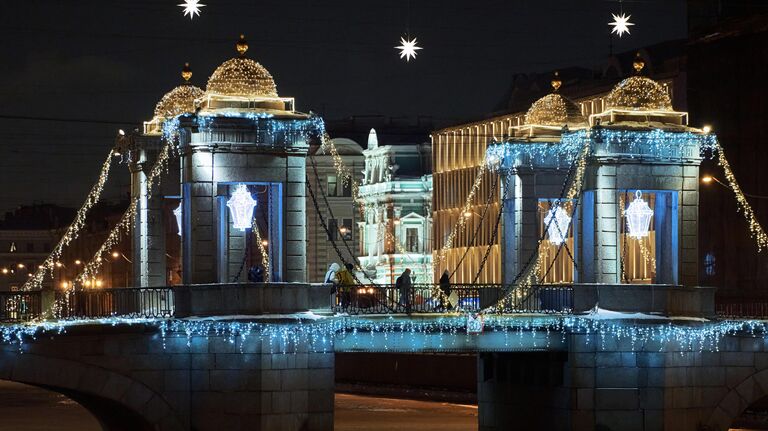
[708, 179]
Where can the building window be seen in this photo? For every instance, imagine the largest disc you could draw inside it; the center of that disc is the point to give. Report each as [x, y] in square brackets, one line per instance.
[709, 264]
[346, 188]
[346, 229]
[412, 239]
[333, 230]
[332, 185]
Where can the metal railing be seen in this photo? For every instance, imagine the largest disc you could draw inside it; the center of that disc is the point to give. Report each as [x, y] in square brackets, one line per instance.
[742, 309]
[153, 302]
[424, 298]
[20, 306]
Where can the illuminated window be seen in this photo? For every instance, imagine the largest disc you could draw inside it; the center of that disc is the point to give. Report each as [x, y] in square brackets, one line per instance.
[332, 185]
[346, 229]
[412, 239]
[709, 264]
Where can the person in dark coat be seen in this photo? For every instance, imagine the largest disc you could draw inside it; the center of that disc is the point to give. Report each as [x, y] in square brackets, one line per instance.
[256, 274]
[403, 286]
[445, 288]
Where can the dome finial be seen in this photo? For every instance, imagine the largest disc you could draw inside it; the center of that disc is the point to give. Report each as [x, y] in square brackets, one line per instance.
[556, 82]
[242, 45]
[639, 63]
[186, 73]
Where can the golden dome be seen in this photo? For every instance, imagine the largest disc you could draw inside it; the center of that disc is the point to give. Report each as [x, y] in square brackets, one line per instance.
[180, 100]
[639, 93]
[554, 110]
[241, 77]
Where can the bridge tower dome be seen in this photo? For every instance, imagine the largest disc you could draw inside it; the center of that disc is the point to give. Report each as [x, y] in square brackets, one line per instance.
[243, 136]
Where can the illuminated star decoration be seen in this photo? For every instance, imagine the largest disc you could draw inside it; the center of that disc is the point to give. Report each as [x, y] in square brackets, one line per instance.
[191, 8]
[620, 24]
[408, 48]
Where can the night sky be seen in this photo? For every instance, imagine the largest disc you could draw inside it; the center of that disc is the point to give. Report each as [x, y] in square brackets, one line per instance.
[100, 63]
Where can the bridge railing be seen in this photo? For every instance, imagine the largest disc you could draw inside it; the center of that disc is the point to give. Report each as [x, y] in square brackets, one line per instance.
[423, 298]
[20, 306]
[742, 308]
[153, 302]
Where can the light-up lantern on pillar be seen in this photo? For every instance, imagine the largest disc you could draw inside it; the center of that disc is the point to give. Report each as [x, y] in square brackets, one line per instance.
[241, 206]
[177, 214]
[638, 216]
[557, 221]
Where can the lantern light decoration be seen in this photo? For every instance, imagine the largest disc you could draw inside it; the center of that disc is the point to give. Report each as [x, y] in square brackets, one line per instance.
[638, 215]
[241, 206]
[177, 214]
[557, 221]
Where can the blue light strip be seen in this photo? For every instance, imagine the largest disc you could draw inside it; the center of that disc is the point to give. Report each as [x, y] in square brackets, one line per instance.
[319, 334]
[563, 153]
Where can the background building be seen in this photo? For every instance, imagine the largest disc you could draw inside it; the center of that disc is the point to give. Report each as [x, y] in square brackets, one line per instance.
[28, 235]
[458, 151]
[396, 195]
[343, 216]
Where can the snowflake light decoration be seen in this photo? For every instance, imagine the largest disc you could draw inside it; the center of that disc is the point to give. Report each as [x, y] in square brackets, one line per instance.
[557, 221]
[620, 24]
[408, 48]
[191, 7]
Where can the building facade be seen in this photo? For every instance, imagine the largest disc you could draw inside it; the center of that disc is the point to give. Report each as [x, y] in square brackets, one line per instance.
[396, 201]
[340, 212]
[459, 152]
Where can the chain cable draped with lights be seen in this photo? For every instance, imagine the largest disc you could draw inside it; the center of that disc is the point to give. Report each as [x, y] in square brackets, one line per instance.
[125, 223]
[755, 228]
[73, 230]
[333, 243]
[528, 274]
[495, 184]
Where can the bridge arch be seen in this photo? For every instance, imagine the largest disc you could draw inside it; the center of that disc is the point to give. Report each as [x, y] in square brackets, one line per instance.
[118, 402]
[737, 400]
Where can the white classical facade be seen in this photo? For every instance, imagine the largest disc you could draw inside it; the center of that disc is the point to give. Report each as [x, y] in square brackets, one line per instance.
[396, 197]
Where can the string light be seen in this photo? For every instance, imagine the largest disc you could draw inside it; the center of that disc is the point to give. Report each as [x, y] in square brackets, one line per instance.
[319, 334]
[241, 77]
[554, 110]
[73, 230]
[262, 244]
[639, 93]
[755, 228]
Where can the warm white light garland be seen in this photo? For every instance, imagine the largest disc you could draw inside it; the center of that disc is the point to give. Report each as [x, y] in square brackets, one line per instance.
[73, 230]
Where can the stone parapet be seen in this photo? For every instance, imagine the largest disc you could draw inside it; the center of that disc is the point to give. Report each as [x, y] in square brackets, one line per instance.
[249, 298]
[664, 299]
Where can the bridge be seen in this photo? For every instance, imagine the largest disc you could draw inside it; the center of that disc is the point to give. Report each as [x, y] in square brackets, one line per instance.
[137, 363]
[591, 224]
